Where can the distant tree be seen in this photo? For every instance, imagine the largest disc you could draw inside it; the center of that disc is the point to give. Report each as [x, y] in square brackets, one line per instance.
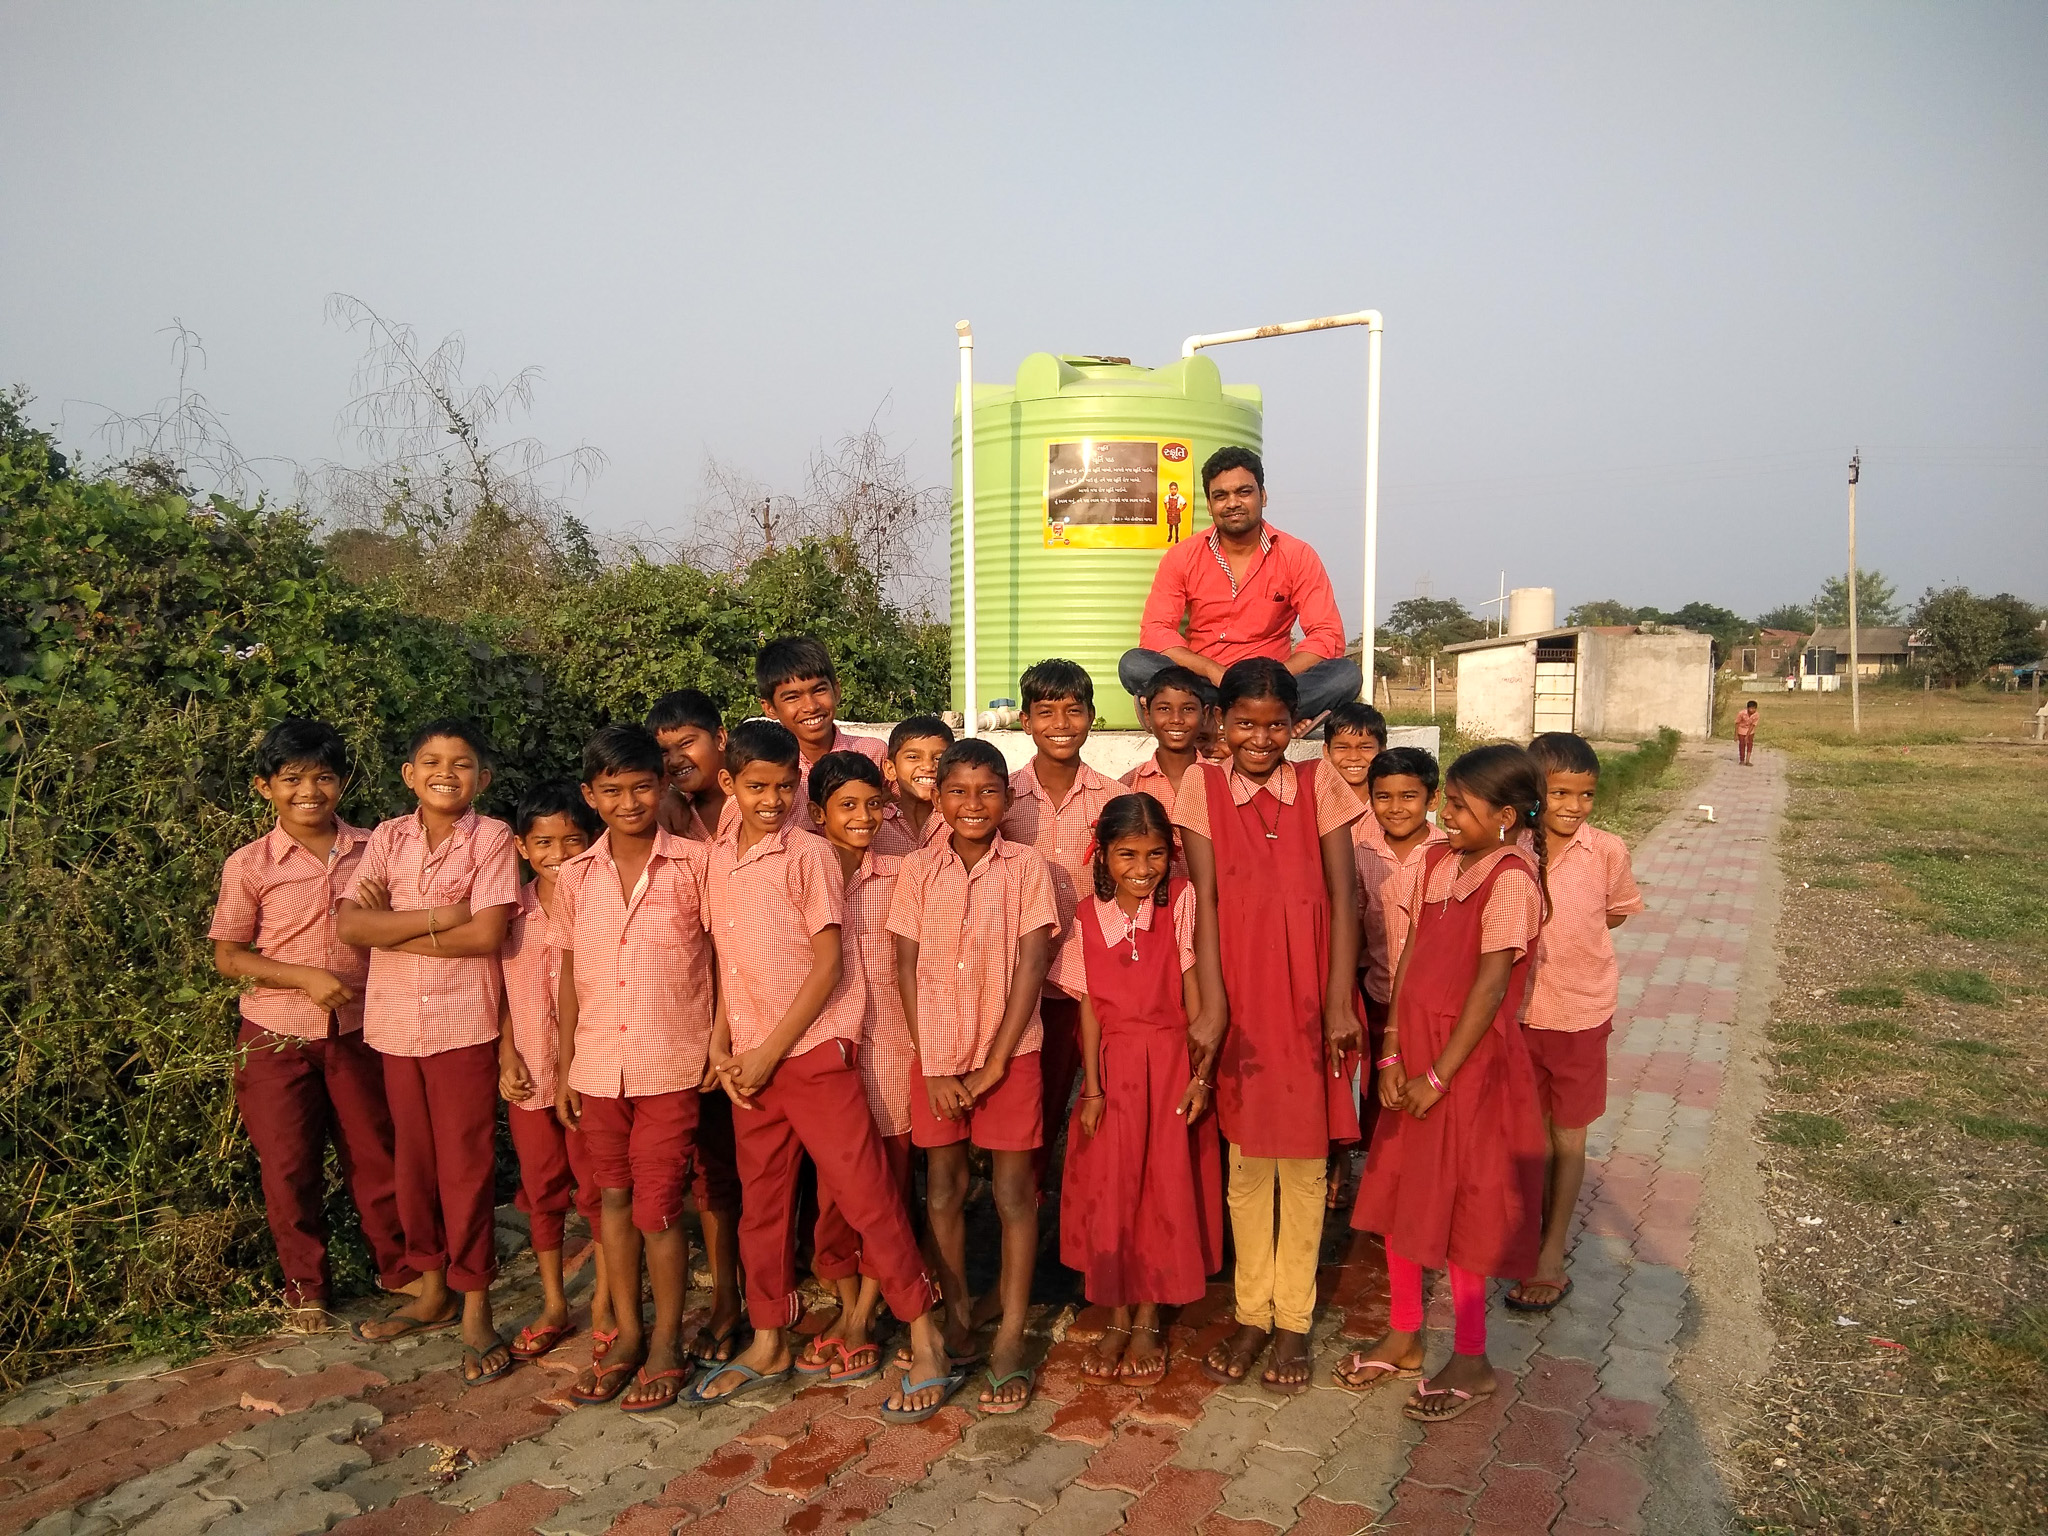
[2020, 640]
[1728, 629]
[1877, 600]
[1796, 616]
[1962, 632]
[1601, 611]
[1428, 624]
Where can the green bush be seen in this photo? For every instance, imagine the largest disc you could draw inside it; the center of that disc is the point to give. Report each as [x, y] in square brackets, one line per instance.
[146, 642]
[1623, 773]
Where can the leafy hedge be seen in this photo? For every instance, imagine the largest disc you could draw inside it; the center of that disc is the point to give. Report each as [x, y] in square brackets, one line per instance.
[1625, 772]
[145, 645]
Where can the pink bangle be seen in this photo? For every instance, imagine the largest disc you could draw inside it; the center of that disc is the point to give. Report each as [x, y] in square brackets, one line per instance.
[1386, 1061]
[1434, 1081]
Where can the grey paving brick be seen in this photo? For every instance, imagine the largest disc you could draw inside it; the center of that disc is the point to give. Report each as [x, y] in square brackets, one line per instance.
[301, 1513]
[138, 1496]
[999, 1439]
[594, 1512]
[294, 1360]
[1310, 1421]
[385, 1483]
[1271, 1487]
[342, 1420]
[1225, 1434]
[1082, 1512]
[316, 1464]
[186, 1515]
[65, 1522]
[1636, 1375]
[933, 1501]
[412, 1358]
[689, 1446]
[1578, 1335]
[588, 1467]
[1373, 1458]
[1512, 1337]
[982, 1518]
[1647, 1322]
[1037, 1477]
[486, 1483]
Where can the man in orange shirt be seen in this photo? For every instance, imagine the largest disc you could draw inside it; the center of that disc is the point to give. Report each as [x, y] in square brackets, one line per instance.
[1238, 591]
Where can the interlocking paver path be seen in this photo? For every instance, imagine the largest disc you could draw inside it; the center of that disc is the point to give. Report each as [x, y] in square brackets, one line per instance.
[324, 1433]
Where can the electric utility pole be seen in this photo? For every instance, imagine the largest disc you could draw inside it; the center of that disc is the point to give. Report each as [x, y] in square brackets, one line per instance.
[1855, 687]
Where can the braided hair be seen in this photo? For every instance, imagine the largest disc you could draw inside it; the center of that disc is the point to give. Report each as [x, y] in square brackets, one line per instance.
[1131, 816]
[1507, 775]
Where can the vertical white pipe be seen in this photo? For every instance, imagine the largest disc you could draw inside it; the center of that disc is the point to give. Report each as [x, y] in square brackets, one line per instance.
[1372, 502]
[966, 332]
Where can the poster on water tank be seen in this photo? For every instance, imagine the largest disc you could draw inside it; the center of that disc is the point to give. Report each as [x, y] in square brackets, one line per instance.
[1118, 493]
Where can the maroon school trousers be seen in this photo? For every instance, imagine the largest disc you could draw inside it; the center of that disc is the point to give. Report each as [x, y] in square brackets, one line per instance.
[815, 1103]
[294, 1096]
[839, 1255]
[554, 1171]
[444, 1119]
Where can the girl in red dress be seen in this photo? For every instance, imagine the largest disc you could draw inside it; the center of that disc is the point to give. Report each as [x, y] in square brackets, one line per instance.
[1141, 1210]
[1455, 1176]
[1276, 938]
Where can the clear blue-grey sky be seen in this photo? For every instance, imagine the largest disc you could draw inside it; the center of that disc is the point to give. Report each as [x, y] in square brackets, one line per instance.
[1649, 273]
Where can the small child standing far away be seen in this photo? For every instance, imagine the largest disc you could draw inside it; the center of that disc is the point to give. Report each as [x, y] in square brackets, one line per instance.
[785, 1046]
[975, 920]
[553, 825]
[303, 1070]
[433, 900]
[1454, 1178]
[1745, 733]
[1141, 1209]
[1353, 735]
[911, 818]
[1054, 800]
[1276, 934]
[847, 801]
[691, 733]
[797, 686]
[635, 1010]
[1172, 712]
[1574, 986]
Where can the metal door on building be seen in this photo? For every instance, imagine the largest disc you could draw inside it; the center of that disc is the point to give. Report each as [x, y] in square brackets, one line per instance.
[1557, 688]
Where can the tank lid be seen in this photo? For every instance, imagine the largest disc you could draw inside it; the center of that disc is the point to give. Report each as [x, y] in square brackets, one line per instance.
[1094, 359]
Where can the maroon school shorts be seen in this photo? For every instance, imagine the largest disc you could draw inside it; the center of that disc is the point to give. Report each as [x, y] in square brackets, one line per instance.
[1009, 1118]
[645, 1145]
[1571, 1073]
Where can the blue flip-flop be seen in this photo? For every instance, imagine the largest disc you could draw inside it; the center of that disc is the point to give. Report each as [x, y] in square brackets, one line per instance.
[754, 1381]
[950, 1381]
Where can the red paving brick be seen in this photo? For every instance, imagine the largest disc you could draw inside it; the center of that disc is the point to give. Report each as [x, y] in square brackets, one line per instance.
[789, 1423]
[649, 1520]
[808, 1464]
[846, 1503]
[1518, 1498]
[1428, 1511]
[748, 1511]
[1635, 1421]
[1322, 1517]
[1178, 1500]
[903, 1453]
[1537, 1437]
[1224, 1525]
[515, 1512]
[414, 1515]
[1445, 1460]
[701, 1489]
[1132, 1459]
[1179, 1396]
[1607, 1489]
[1565, 1385]
[1090, 1416]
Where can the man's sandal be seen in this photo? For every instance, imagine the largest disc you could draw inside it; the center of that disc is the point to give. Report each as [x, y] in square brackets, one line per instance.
[606, 1382]
[1456, 1401]
[673, 1380]
[1523, 1304]
[533, 1342]
[1388, 1371]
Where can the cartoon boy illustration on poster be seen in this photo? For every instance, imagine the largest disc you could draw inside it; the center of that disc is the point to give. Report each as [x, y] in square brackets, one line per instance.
[1175, 504]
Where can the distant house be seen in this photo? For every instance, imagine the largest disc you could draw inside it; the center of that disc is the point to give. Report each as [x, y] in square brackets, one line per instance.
[1880, 648]
[1771, 653]
[1616, 683]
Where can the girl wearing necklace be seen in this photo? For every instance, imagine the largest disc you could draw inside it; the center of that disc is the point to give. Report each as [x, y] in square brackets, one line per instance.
[1141, 1208]
[1276, 939]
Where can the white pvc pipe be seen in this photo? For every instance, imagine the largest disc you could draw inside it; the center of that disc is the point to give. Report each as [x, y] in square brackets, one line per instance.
[1370, 319]
[966, 332]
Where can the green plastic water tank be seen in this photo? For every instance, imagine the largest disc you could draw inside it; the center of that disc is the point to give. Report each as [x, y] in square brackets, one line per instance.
[1085, 470]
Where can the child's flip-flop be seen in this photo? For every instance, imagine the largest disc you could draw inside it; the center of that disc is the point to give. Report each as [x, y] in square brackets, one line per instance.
[476, 1357]
[714, 1348]
[857, 1364]
[751, 1380]
[412, 1326]
[1523, 1304]
[606, 1382]
[997, 1383]
[1387, 1369]
[1457, 1401]
[817, 1350]
[533, 1342]
[949, 1383]
[654, 1404]
[601, 1341]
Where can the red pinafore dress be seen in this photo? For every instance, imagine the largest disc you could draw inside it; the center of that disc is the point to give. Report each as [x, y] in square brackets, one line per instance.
[1276, 1095]
[1141, 1208]
[1464, 1184]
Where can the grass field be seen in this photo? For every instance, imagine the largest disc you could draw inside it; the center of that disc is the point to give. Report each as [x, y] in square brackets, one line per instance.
[1907, 1131]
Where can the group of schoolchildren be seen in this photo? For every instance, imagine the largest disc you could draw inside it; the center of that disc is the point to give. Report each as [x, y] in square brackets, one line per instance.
[753, 969]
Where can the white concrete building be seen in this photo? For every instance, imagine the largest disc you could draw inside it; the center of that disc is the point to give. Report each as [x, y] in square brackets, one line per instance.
[1606, 683]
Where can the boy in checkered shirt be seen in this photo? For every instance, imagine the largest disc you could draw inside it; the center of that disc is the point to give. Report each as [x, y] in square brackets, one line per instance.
[302, 1067]
[433, 901]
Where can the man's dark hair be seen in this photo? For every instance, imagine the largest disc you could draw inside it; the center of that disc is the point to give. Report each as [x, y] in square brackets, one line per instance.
[1564, 752]
[456, 729]
[298, 740]
[1257, 677]
[1172, 677]
[556, 797]
[622, 748]
[1056, 679]
[761, 741]
[835, 770]
[973, 752]
[919, 728]
[791, 659]
[1404, 762]
[1360, 719]
[1232, 457]
[685, 707]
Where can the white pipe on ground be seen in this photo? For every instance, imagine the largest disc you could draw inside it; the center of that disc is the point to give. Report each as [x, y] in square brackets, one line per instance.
[972, 712]
[1374, 328]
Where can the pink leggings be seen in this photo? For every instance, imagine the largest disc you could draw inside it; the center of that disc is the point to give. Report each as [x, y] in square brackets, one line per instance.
[1468, 1303]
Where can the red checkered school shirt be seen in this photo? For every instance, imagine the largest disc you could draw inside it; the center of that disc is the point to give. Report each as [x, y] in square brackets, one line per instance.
[966, 923]
[421, 1005]
[1380, 884]
[895, 839]
[1064, 834]
[643, 969]
[280, 896]
[532, 969]
[873, 748]
[1575, 982]
[887, 1057]
[766, 905]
